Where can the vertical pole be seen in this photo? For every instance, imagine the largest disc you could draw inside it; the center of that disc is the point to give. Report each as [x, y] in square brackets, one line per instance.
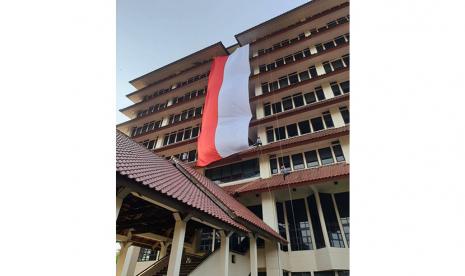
[253, 256]
[177, 246]
[224, 253]
[270, 217]
[322, 218]
[127, 260]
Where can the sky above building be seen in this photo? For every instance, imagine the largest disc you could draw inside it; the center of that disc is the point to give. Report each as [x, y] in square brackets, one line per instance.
[150, 34]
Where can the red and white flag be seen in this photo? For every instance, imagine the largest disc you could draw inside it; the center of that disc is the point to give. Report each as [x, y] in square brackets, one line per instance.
[226, 114]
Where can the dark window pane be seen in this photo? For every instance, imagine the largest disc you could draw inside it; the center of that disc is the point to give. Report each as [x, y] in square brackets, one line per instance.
[292, 130]
[345, 115]
[311, 158]
[342, 202]
[328, 120]
[283, 82]
[304, 127]
[190, 113]
[298, 100]
[269, 135]
[298, 161]
[172, 138]
[317, 124]
[280, 133]
[187, 133]
[277, 108]
[267, 108]
[335, 88]
[319, 48]
[337, 64]
[274, 166]
[198, 111]
[265, 88]
[320, 94]
[289, 59]
[342, 20]
[340, 40]
[307, 52]
[236, 171]
[338, 153]
[151, 144]
[299, 227]
[327, 67]
[332, 24]
[195, 132]
[326, 156]
[332, 225]
[346, 60]
[310, 97]
[286, 161]
[192, 155]
[274, 86]
[280, 62]
[304, 75]
[165, 140]
[293, 78]
[313, 72]
[329, 45]
[179, 136]
[281, 223]
[287, 103]
[345, 86]
[262, 68]
[316, 223]
[299, 56]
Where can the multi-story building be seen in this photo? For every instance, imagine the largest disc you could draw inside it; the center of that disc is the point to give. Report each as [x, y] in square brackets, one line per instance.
[295, 176]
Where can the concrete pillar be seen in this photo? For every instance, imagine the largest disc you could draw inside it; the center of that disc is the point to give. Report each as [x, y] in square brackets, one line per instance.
[327, 91]
[127, 259]
[163, 249]
[264, 164]
[196, 240]
[253, 255]
[270, 217]
[260, 111]
[320, 70]
[213, 239]
[337, 117]
[313, 50]
[224, 253]
[164, 122]
[177, 245]
[322, 218]
[258, 89]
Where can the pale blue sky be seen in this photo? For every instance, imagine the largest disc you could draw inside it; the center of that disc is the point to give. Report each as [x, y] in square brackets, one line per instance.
[153, 33]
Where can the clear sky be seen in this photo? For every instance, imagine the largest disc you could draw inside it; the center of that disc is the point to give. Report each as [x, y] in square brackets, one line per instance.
[153, 33]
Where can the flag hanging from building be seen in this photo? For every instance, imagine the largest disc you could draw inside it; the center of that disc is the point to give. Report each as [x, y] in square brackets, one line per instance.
[226, 114]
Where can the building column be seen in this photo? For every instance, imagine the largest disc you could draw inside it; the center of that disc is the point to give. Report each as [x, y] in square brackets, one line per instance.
[344, 141]
[127, 259]
[337, 117]
[196, 240]
[253, 255]
[270, 217]
[321, 216]
[177, 245]
[121, 193]
[224, 253]
[213, 239]
[264, 166]
[163, 249]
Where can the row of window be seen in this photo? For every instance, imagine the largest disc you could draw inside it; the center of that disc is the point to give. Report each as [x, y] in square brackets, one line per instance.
[175, 86]
[322, 122]
[304, 53]
[150, 144]
[317, 273]
[236, 171]
[297, 100]
[186, 97]
[190, 95]
[181, 135]
[185, 114]
[146, 254]
[188, 156]
[146, 127]
[301, 36]
[310, 73]
[308, 159]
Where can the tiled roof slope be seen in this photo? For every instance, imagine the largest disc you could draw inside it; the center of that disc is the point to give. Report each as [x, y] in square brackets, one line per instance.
[140, 164]
[235, 206]
[293, 179]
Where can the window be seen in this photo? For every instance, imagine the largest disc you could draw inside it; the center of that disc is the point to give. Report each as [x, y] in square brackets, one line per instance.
[328, 119]
[146, 254]
[340, 40]
[265, 87]
[277, 108]
[331, 24]
[274, 166]
[332, 225]
[281, 223]
[324, 273]
[267, 108]
[206, 237]
[316, 223]
[342, 202]
[304, 127]
[299, 227]
[346, 59]
[298, 56]
[274, 86]
[179, 136]
[301, 274]
[292, 130]
[289, 59]
[298, 100]
[172, 138]
[195, 132]
[345, 86]
[133, 133]
[283, 82]
[269, 134]
[317, 124]
[198, 111]
[293, 78]
[307, 52]
[298, 161]
[187, 133]
[287, 103]
[192, 156]
[319, 93]
[284, 161]
[327, 67]
[262, 68]
[345, 114]
[280, 62]
[319, 48]
[335, 88]
[338, 152]
[304, 75]
[151, 144]
[329, 45]
[280, 133]
[313, 72]
[310, 97]
[236, 171]
[311, 158]
[326, 156]
[337, 64]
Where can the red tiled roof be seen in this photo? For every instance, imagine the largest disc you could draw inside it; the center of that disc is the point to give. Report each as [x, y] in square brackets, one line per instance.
[293, 179]
[145, 167]
[235, 206]
[140, 164]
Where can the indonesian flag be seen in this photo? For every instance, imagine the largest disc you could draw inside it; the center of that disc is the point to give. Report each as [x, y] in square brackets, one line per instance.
[226, 114]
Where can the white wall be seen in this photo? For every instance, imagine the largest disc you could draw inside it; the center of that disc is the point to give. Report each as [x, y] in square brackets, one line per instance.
[210, 266]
